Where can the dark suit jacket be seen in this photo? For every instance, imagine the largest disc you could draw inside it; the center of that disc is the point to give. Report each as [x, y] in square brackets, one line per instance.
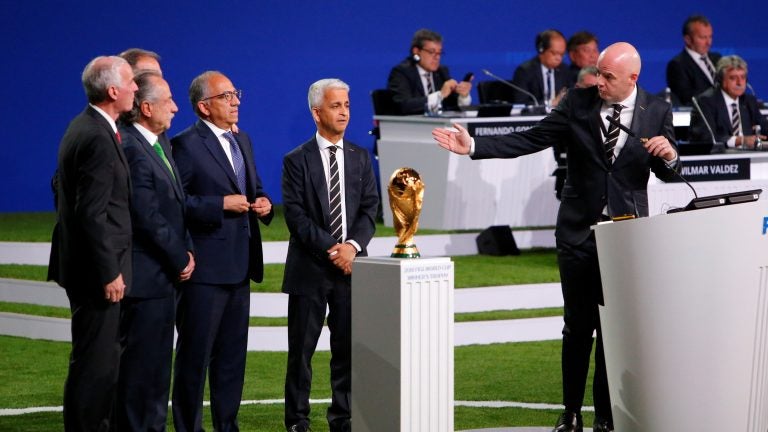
[719, 116]
[160, 237]
[528, 76]
[225, 251]
[685, 78]
[92, 239]
[592, 183]
[305, 197]
[408, 92]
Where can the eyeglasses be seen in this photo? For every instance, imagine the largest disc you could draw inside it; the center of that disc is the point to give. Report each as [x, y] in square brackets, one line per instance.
[227, 95]
[433, 52]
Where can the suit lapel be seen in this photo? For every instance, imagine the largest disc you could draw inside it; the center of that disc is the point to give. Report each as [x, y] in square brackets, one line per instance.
[638, 119]
[118, 146]
[213, 145]
[595, 127]
[175, 178]
[724, 114]
[416, 79]
[250, 165]
[351, 173]
[315, 167]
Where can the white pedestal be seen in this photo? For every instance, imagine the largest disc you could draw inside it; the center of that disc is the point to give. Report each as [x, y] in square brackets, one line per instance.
[402, 345]
[685, 321]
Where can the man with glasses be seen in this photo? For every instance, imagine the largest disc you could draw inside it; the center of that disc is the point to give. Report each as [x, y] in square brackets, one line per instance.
[225, 201]
[421, 84]
[545, 75]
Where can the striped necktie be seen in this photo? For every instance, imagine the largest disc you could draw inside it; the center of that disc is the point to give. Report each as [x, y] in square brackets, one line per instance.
[548, 87]
[710, 68]
[430, 87]
[613, 134]
[237, 161]
[735, 120]
[334, 196]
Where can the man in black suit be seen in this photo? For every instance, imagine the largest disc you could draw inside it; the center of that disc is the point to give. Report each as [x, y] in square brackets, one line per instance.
[91, 244]
[225, 201]
[330, 198]
[162, 257]
[607, 176]
[693, 70]
[545, 75]
[732, 114]
[420, 82]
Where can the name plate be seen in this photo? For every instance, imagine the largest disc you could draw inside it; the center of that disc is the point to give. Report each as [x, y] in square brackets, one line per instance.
[498, 128]
[714, 170]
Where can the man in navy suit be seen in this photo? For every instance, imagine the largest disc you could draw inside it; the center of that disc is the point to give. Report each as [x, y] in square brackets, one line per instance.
[330, 198]
[607, 176]
[225, 202]
[91, 244]
[420, 81]
[545, 75]
[732, 114]
[162, 257]
[693, 70]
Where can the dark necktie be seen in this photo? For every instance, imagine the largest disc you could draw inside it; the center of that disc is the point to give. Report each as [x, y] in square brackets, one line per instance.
[159, 150]
[334, 196]
[735, 120]
[548, 87]
[237, 161]
[710, 68]
[430, 88]
[613, 134]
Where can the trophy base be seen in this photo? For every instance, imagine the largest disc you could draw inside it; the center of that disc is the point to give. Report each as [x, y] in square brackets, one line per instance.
[405, 251]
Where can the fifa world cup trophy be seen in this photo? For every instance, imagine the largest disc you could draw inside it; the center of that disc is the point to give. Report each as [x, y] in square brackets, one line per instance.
[406, 194]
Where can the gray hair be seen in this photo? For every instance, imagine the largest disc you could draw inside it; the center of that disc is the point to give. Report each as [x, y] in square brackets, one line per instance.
[132, 55]
[730, 62]
[99, 75]
[318, 88]
[147, 91]
[198, 90]
[586, 70]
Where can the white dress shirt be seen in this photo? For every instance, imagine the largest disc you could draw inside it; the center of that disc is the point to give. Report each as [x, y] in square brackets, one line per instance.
[325, 155]
[702, 63]
[219, 132]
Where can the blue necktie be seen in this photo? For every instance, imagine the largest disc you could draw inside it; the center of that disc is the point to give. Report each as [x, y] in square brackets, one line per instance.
[237, 161]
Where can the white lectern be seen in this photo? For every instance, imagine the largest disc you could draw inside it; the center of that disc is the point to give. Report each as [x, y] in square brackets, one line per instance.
[402, 345]
[685, 321]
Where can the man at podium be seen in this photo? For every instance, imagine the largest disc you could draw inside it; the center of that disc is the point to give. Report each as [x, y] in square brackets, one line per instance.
[616, 133]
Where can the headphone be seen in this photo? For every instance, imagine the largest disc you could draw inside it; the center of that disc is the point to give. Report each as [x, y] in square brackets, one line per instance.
[544, 39]
[416, 58]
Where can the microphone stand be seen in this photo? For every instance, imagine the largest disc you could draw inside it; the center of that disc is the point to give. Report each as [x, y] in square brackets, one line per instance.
[717, 147]
[535, 109]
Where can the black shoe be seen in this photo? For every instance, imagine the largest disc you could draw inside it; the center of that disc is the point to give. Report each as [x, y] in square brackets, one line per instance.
[569, 422]
[299, 427]
[602, 425]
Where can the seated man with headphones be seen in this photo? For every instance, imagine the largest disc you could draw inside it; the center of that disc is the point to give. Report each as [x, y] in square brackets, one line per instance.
[545, 76]
[732, 114]
[420, 84]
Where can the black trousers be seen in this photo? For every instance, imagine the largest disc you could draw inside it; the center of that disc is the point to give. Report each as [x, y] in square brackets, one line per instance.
[306, 314]
[146, 338]
[91, 386]
[212, 321]
[582, 292]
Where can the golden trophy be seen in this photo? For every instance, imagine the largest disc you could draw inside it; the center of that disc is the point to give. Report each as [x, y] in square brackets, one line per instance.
[406, 194]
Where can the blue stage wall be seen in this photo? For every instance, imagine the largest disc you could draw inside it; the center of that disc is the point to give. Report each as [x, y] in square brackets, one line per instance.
[273, 50]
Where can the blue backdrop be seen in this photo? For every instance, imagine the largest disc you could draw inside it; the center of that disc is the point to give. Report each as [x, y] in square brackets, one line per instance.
[273, 50]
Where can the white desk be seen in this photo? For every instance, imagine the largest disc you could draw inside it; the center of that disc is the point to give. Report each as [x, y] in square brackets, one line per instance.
[465, 194]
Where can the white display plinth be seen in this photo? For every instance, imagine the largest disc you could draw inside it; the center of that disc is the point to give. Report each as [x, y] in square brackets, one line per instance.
[685, 321]
[402, 345]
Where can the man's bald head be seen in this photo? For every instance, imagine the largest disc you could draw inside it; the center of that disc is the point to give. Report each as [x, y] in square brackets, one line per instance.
[619, 67]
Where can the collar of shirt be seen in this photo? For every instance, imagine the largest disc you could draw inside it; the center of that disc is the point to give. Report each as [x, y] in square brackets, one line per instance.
[324, 143]
[423, 73]
[729, 100]
[106, 116]
[219, 132]
[702, 65]
[625, 117]
[149, 136]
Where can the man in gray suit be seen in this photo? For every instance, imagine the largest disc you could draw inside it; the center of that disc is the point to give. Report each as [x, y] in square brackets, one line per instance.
[330, 199]
[607, 176]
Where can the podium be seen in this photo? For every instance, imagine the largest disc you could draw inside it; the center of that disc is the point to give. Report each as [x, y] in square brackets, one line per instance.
[402, 345]
[685, 321]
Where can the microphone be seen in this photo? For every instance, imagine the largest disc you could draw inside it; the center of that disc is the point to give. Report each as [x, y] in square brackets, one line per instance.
[634, 135]
[536, 109]
[704, 119]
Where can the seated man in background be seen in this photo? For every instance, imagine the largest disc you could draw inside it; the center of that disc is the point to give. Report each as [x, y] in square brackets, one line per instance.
[693, 70]
[587, 77]
[420, 83]
[731, 113]
[545, 75]
[583, 51]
